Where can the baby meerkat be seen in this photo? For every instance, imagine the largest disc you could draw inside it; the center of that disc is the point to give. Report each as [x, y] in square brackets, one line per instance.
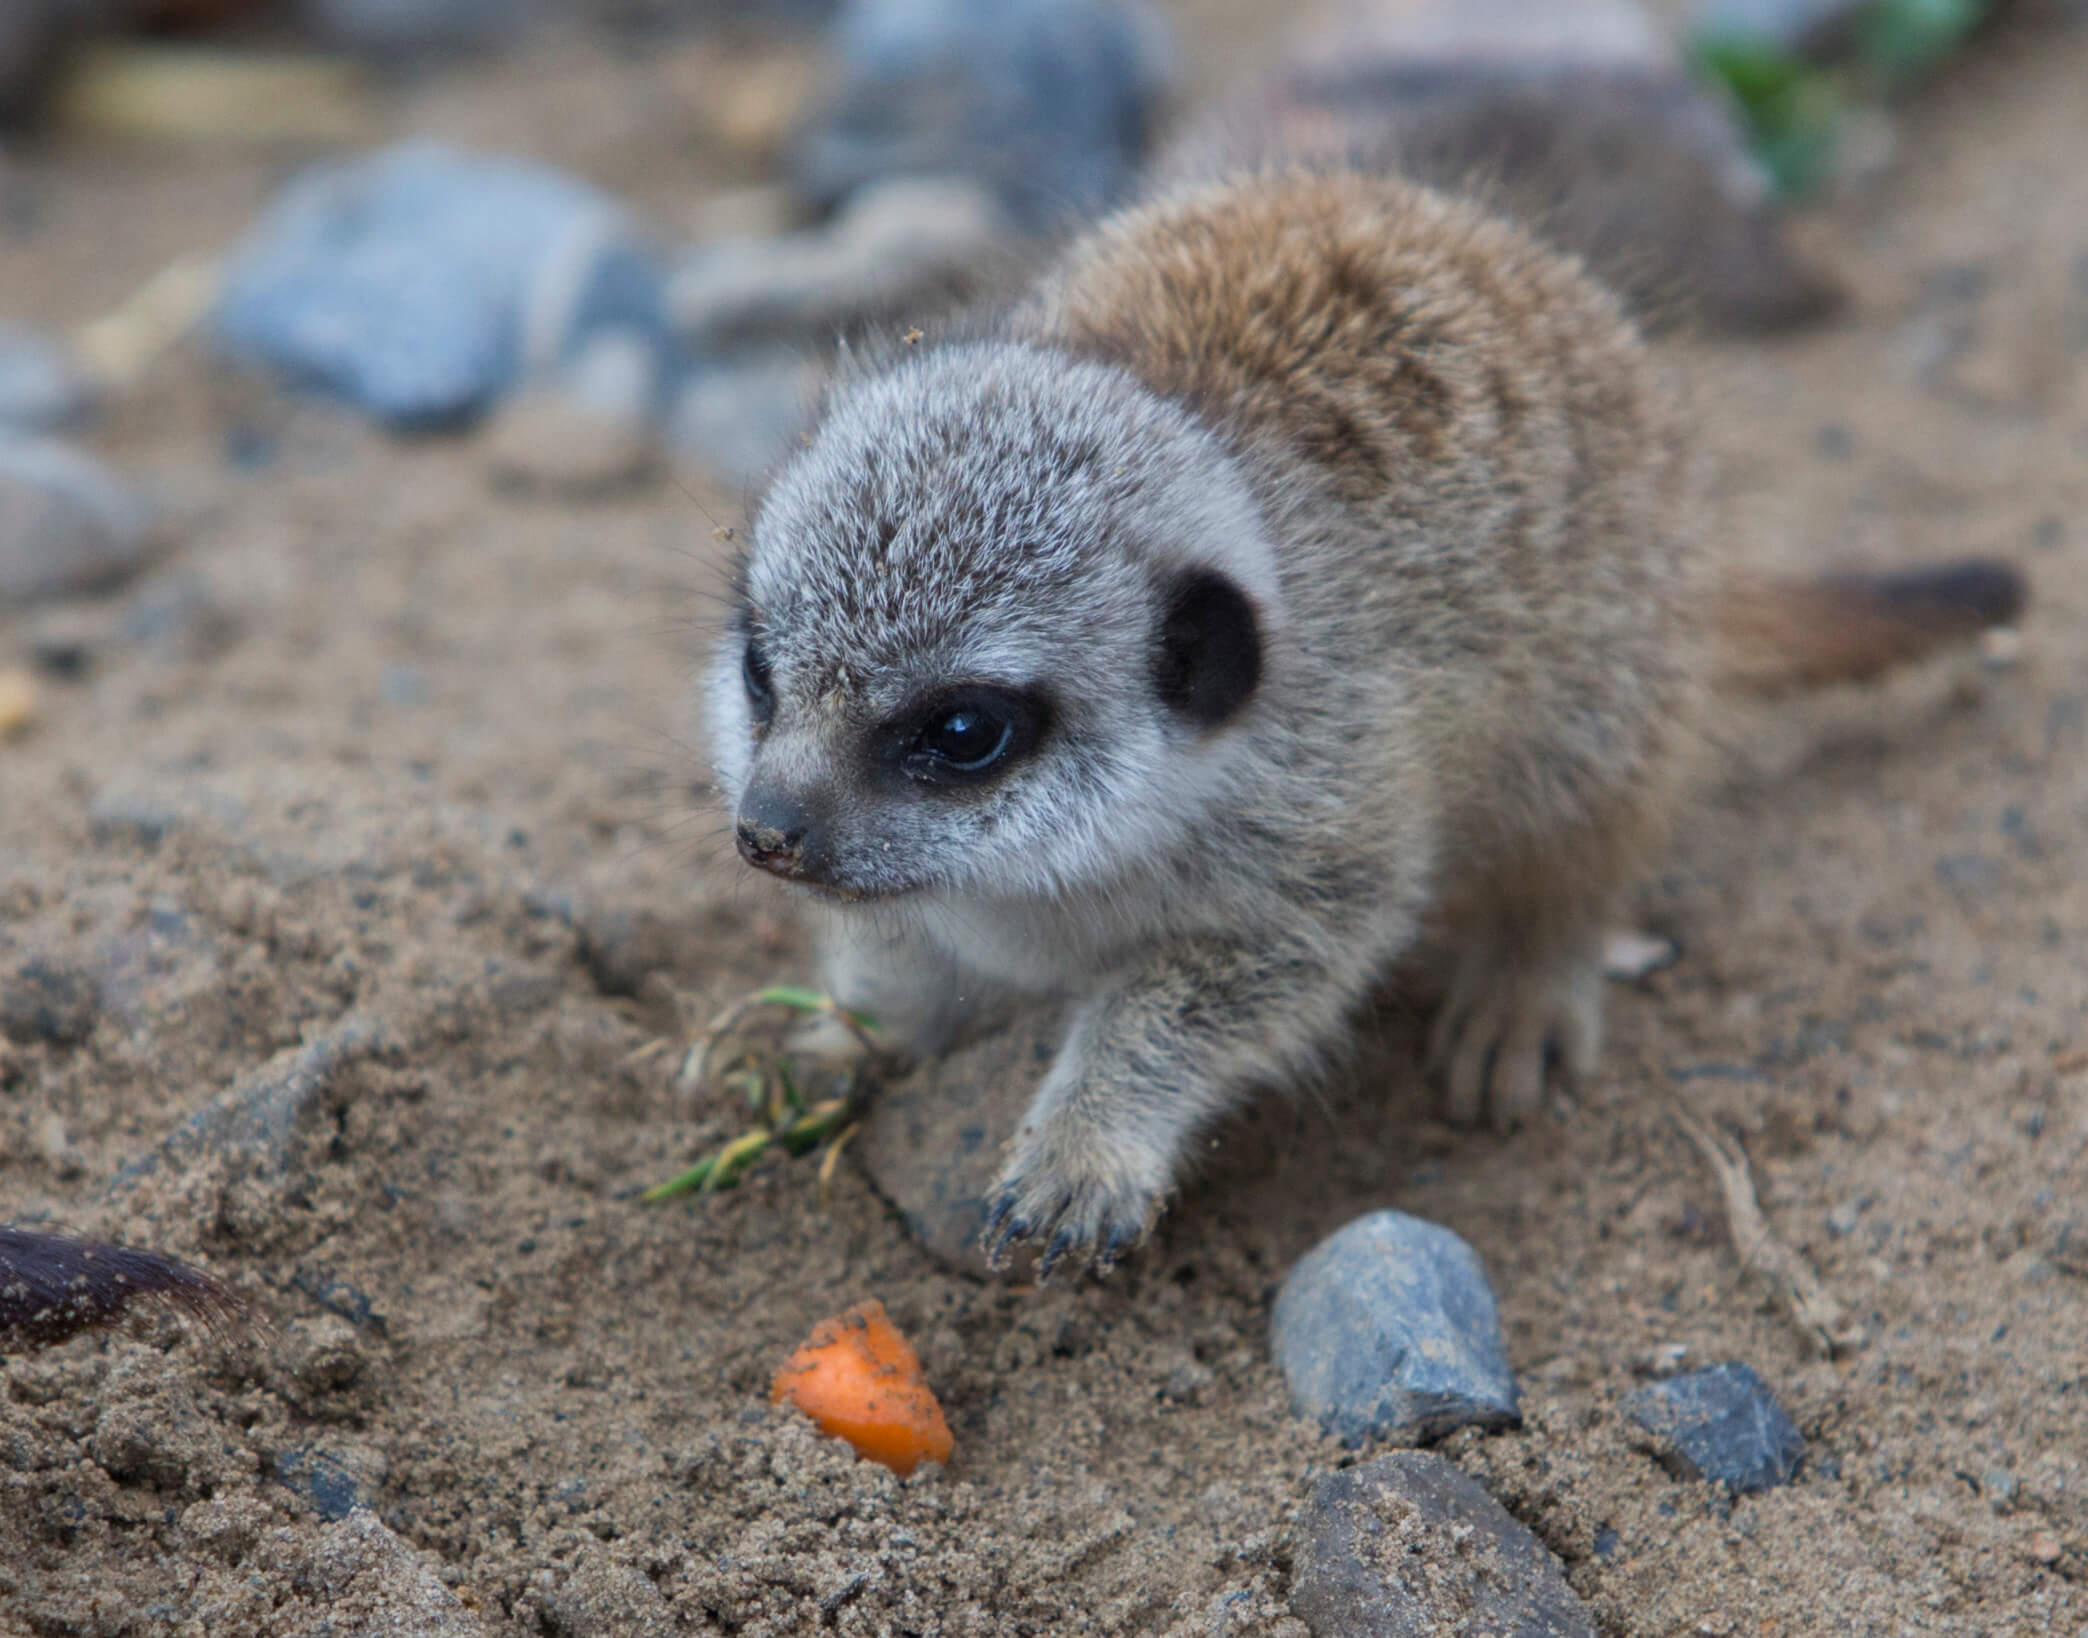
[1299, 587]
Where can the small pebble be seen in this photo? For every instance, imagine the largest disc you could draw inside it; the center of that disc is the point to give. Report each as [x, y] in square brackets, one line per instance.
[1409, 1545]
[585, 432]
[67, 523]
[1389, 1327]
[1722, 1424]
[321, 1478]
[2044, 1547]
[50, 1001]
[17, 703]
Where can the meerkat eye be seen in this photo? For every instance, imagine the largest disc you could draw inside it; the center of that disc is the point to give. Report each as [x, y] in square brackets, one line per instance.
[968, 739]
[760, 686]
[968, 735]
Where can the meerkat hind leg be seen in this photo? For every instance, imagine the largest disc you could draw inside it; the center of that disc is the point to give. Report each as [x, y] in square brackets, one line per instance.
[1514, 1013]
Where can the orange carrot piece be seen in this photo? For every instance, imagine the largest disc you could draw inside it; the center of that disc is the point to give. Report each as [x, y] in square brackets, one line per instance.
[858, 1379]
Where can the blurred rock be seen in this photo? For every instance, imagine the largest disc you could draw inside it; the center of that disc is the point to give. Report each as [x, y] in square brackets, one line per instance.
[422, 283]
[1409, 1546]
[1788, 25]
[1721, 1424]
[737, 417]
[335, 1481]
[1388, 1327]
[48, 1000]
[908, 241]
[33, 37]
[588, 431]
[1577, 117]
[41, 388]
[67, 523]
[1050, 103]
[412, 28]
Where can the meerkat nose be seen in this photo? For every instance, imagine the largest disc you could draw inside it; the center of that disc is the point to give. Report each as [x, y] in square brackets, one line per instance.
[772, 832]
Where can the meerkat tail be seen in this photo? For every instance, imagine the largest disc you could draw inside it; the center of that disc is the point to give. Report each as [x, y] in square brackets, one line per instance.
[1776, 634]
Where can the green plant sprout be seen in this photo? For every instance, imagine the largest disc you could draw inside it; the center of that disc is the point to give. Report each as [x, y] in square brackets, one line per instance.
[1795, 108]
[764, 1082]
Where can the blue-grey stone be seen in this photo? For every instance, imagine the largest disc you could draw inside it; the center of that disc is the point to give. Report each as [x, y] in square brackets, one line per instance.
[1408, 1546]
[68, 524]
[321, 1478]
[1051, 102]
[1389, 1327]
[421, 283]
[1789, 25]
[401, 28]
[1721, 1423]
[41, 388]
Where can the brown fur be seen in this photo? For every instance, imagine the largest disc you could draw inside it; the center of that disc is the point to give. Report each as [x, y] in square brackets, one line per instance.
[1435, 466]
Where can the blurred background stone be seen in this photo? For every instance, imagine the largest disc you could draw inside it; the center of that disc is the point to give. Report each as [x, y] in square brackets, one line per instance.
[1051, 103]
[422, 283]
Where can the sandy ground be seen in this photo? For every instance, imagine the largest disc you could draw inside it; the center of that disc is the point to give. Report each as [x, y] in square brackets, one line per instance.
[375, 740]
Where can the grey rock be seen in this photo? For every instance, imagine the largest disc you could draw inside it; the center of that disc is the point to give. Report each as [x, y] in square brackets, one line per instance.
[49, 1001]
[361, 1565]
[68, 524]
[737, 417]
[254, 1129]
[1049, 102]
[898, 248]
[409, 28]
[1409, 1546]
[587, 430]
[422, 283]
[1722, 1424]
[1788, 25]
[322, 1478]
[41, 388]
[933, 1140]
[1388, 1327]
[1581, 115]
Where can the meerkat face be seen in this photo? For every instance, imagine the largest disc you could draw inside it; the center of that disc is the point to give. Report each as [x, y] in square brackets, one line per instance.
[997, 631]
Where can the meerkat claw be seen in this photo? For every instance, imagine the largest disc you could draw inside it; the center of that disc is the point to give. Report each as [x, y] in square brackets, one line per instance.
[1062, 1243]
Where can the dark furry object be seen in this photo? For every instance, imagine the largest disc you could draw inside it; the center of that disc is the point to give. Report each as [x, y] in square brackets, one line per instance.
[54, 1286]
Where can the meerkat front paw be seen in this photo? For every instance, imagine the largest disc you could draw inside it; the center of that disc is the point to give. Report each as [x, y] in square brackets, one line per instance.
[1505, 1025]
[1081, 1196]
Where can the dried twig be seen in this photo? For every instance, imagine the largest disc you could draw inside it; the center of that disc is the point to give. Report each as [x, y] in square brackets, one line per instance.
[1817, 1315]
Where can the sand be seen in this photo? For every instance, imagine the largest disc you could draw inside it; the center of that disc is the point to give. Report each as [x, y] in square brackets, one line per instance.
[384, 743]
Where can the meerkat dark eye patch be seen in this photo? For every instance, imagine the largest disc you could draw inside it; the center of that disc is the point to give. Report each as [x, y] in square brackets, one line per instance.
[755, 678]
[1208, 657]
[966, 735]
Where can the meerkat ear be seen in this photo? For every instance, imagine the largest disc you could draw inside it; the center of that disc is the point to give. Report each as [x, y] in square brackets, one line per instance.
[1209, 655]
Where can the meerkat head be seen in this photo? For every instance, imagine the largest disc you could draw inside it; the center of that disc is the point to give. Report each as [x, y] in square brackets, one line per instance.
[996, 630]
